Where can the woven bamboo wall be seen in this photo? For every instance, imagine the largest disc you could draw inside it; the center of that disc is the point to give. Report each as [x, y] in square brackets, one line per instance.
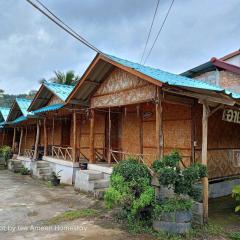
[130, 131]
[223, 138]
[28, 138]
[122, 88]
[176, 131]
[83, 131]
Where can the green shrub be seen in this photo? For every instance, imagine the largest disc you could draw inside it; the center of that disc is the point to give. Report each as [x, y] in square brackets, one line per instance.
[131, 191]
[236, 195]
[131, 170]
[234, 235]
[181, 180]
[172, 205]
[5, 152]
[24, 171]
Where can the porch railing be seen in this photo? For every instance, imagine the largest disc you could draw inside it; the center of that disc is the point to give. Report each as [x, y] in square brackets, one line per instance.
[64, 153]
[119, 155]
[29, 153]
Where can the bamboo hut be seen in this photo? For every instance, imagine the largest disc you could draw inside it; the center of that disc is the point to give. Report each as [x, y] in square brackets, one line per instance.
[23, 125]
[57, 128]
[5, 132]
[147, 113]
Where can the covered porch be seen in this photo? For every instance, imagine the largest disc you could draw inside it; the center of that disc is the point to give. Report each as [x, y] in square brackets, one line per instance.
[150, 112]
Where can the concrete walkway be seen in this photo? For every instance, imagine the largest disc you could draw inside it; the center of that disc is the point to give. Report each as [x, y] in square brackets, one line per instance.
[26, 204]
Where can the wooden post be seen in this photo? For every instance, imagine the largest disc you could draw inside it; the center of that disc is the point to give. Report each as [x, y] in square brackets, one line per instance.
[109, 136]
[204, 160]
[20, 142]
[36, 141]
[141, 128]
[3, 138]
[159, 126]
[45, 137]
[14, 139]
[25, 143]
[74, 150]
[91, 136]
[53, 127]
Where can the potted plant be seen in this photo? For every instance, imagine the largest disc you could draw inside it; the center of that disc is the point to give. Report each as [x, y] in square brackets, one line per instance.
[173, 212]
[24, 171]
[55, 178]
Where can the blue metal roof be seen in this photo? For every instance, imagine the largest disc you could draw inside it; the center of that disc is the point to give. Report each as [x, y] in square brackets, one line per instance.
[18, 120]
[170, 78]
[49, 108]
[2, 123]
[24, 104]
[4, 112]
[61, 90]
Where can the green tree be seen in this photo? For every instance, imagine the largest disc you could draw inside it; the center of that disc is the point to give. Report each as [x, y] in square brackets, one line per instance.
[68, 78]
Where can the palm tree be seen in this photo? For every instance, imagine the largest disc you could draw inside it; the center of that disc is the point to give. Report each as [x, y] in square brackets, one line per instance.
[69, 78]
[60, 77]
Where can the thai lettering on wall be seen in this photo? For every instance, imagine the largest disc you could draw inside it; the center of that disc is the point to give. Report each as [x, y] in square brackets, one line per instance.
[231, 115]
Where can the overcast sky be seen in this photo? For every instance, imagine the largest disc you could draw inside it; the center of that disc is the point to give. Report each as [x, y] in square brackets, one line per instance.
[32, 47]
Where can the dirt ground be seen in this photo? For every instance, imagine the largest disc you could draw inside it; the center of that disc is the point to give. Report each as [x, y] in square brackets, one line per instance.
[28, 205]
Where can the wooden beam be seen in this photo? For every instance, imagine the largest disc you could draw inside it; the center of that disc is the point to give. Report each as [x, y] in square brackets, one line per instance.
[204, 159]
[220, 106]
[45, 137]
[159, 126]
[109, 135]
[74, 149]
[201, 97]
[141, 128]
[36, 141]
[14, 139]
[91, 137]
[26, 131]
[20, 142]
[3, 137]
[92, 82]
[53, 128]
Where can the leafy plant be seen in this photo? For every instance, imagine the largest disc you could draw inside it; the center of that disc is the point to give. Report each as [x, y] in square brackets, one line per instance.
[172, 205]
[234, 235]
[68, 78]
[236, 195]
[55, 175]
[182, 181]
[131, 191]
[24, 171]
[5, 151]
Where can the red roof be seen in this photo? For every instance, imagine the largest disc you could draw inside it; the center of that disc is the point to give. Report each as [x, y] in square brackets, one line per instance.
[230, 55]
[227, 66]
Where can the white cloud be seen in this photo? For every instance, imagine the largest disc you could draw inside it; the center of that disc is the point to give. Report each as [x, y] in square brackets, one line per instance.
[32, 47]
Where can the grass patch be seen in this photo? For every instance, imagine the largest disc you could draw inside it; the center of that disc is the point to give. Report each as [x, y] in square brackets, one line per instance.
[234, 235]
[202, 232]
[72, 215]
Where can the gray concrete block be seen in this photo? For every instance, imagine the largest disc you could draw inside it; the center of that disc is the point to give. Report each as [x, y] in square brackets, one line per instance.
[197, 213]
[171, 227]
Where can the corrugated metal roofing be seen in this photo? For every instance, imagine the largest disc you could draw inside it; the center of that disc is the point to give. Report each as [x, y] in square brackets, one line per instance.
[2, 123]
[4, 112]
[61, 90]
[18, 120]
[49, 108]
[170, 78]
[24, 105]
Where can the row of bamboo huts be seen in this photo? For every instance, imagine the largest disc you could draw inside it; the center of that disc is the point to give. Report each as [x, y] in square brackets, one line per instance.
[120, 108]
